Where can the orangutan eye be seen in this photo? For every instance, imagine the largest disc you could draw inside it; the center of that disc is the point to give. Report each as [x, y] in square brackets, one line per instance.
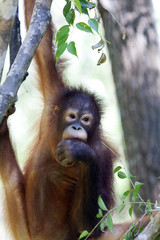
[86, 119]
[72, 116]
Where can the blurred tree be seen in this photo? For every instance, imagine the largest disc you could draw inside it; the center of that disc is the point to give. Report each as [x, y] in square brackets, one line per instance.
[135, 60]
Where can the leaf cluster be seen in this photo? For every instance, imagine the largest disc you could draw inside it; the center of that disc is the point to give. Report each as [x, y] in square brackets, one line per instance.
[105, 218]
[134, 191]
[62, 37]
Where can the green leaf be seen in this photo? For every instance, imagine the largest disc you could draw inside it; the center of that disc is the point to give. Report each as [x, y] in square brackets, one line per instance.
[102, 59]
[121, 207]
[60, 50]
[72, 49]
[131, 176]
[63, 40]
[109, 223]
[136, 191]
[149, 206]
[135, 195]
[131, 210]
[102, 226]
[121, 175]
[66, 8]
[64, 30]
[93, 24]
[158, 177]
[125, 194]
[117, 169]
[83, 234]
[101, 204]
[78, 5]
[100, 44]
[138, 184]
[84, 27]
[70, 16]
[100, 214]
[85, 4]
[91, 5]
[124, 36]
[85, 11]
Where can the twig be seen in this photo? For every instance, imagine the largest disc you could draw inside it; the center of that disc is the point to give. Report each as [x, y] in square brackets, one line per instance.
[152, 230]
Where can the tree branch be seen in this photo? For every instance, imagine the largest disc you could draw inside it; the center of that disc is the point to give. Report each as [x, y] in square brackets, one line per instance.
[152, 230]
[7, 15]
[39, 22]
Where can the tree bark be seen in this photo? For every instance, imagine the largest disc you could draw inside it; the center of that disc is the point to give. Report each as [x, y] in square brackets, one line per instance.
[7, 15]
[151, 231]
[39, 22]
[136, 70]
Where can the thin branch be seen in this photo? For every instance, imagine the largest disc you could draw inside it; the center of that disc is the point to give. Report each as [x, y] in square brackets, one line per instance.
[39, 22]
[152, 230]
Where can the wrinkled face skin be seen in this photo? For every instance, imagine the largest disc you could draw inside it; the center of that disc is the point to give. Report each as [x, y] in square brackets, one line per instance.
[77, 123]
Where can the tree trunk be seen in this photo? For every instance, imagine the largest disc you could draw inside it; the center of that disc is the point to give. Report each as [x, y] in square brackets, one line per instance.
[136, 69]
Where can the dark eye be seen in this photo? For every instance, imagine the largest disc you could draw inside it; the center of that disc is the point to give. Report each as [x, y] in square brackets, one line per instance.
[86, 119]
[72, 116]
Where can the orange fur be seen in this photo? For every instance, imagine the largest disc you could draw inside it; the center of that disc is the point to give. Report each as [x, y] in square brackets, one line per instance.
[14, 187]
[45, 59]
